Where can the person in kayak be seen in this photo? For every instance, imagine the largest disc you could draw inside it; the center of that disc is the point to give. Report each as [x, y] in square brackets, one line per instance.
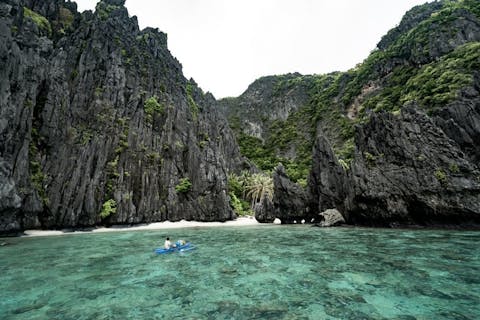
[167, 244]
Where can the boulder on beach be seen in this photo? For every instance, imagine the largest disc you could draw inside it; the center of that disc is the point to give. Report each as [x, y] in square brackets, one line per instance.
[331, 218]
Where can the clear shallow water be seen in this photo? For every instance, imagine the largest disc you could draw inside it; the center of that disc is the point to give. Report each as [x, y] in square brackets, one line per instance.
[268, 272]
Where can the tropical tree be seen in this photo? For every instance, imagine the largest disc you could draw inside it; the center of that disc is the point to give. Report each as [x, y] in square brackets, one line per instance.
[258, 187]
[237, 183]
[237, 193]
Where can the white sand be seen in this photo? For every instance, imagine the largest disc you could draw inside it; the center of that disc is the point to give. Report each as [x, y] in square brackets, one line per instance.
[242, 221]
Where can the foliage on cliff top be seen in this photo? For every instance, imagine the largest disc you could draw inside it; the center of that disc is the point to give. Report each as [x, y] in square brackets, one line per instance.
[432, 86]
[411, 47]
[103, 9]
[408, 68]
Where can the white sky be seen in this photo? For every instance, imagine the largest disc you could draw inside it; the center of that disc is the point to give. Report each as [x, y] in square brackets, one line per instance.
[226, 44]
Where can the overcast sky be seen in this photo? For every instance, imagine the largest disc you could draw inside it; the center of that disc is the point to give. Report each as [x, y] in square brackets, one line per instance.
[227, 44]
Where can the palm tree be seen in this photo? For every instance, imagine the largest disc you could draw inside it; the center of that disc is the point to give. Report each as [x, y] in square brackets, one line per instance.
[259, 187]
[237, 183]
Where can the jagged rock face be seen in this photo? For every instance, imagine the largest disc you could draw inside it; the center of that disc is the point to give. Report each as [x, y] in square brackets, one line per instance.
[95, 109]
[264, 211]
[460, 120]
[290, 201]
[326, 184]
[407, 171]
[415, 42]
[271, 122]
[267, 99]
[411, 19]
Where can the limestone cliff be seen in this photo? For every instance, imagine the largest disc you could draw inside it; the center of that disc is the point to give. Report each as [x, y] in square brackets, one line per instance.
[408, 171]
[394, 140]
[99, 126]
[270, 122]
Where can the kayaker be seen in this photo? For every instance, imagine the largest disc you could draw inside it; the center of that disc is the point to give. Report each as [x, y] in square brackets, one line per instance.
[167, 244]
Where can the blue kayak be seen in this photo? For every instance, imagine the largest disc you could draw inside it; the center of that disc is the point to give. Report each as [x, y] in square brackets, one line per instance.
[179, 248]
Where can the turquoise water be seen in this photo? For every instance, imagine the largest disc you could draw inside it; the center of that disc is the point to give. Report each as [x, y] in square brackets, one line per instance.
[267, 272]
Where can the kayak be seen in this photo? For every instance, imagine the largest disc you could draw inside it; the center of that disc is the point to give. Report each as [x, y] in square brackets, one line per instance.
[179, 248]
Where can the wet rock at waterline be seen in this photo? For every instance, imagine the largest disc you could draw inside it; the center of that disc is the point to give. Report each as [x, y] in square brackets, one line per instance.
[331, 218]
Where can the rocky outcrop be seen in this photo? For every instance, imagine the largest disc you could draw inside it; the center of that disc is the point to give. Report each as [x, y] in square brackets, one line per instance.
[410, 20]
[264, 211]
[426, 33]
[460, 120]
[289, 200]
[94, 111]
[11, 202]
[407, 171]
[327, 181]
[331, 218]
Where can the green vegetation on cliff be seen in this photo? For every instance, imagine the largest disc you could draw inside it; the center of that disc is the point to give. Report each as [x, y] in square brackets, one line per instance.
[109, 207]
[38, 19]
[282, 134]
[411, 52]
[427, 60]
[439, 82]
[183, 186]
[103, 9]
[432, 86]
[191, 102]
[151, 107]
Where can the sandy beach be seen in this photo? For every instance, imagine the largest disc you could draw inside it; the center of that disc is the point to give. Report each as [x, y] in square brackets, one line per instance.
[242, 221]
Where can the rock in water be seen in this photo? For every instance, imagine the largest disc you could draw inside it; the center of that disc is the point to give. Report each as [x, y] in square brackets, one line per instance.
[331, 218]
